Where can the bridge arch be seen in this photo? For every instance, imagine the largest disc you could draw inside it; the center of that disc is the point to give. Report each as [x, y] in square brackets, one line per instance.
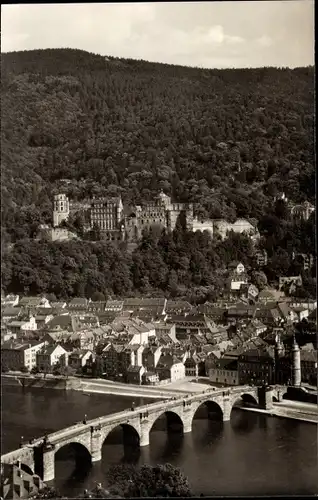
[209, 409]
[244, 399]
[170, 419]
[130, 433]
[76, 452]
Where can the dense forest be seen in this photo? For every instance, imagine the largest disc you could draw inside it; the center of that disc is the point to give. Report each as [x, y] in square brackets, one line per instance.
[228, 140]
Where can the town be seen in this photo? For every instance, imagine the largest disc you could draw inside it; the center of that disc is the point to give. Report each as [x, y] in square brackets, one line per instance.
[248, 338]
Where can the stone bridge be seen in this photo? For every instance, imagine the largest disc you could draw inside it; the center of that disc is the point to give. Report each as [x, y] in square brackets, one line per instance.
[38, 456]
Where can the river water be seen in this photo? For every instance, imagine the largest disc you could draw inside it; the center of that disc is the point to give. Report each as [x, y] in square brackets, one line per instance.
[251, 455]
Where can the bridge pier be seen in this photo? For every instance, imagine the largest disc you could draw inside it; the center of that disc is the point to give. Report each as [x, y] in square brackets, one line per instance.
[48, 465]
[227, 408]
[144, 437]
[265, 398]
[96, 444]
[187, 427]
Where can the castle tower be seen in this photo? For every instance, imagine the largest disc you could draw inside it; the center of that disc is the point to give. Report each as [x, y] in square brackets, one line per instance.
[61, 209]
[296, 367]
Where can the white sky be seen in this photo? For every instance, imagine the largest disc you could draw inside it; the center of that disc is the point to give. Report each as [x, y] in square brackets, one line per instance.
[207, 34]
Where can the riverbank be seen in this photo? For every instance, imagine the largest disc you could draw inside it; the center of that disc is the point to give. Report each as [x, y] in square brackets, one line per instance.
[101, 386]
[303, 414]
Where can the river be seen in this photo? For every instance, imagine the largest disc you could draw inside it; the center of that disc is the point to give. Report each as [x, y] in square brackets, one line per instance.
[251, 455]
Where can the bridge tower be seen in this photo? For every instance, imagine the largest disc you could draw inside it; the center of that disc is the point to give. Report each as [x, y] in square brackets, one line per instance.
[279, 353]
[296, 366]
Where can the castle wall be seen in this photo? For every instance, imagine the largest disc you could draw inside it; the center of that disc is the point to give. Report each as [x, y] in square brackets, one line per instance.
[206, 225]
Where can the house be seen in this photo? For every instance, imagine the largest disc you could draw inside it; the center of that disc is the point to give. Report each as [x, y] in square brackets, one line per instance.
[261, 258]
[10, 301]
[6, 334]
[58, 305]
[236, 267]
[258, 326]
[217, 334]
[51, 355]
[305, 260]
[211, 359]
[166, 331]
[257, 366]
[78, 304]
[81, 340]
[237, 280]
[135, 374]
[225, 371]
[151, 356]
[302, 211]
[33, 302]
[16, 483]
[78, 358]
[86, 321]
[15, 355]
[287, 281]
[111, 361]
[250, 292]
[10, 314]
[132, 355]
[63, 321]
[139, 331]
[118, 358]
[190, 324]
[170, 367]
[266, 296]
[147, 308]
[42, 320]
[95, 307]
[150, 378]
[57, 336]
[178, 307]
[301, 313]
[191, 365]
[21, 326]
[308, 363]
[213, 312]
[114, 306]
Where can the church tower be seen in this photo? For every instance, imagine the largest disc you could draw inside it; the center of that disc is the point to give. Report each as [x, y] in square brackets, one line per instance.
[296, 367]
[61, 209]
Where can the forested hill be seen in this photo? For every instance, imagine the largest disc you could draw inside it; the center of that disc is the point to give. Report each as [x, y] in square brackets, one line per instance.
[227, 139]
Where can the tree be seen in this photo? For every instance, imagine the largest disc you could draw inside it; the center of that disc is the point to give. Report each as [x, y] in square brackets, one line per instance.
[24, 369]
[98, 297]
[259, 279]
[149, 481]
[47, 492]
[67, 371]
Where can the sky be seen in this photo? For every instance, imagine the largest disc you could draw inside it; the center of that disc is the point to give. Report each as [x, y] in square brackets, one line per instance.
[229, 34]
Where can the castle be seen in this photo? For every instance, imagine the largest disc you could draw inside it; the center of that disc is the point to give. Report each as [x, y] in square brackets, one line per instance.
[118, 223]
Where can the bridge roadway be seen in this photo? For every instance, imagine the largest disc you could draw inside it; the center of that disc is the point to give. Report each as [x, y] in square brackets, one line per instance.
[92, 433]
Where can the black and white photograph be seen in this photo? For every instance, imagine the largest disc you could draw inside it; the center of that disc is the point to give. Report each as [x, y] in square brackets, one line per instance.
[158, 250]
